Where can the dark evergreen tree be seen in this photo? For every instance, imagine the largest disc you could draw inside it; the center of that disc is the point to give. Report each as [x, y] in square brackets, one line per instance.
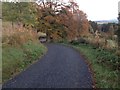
[94, 25]
[118, 31]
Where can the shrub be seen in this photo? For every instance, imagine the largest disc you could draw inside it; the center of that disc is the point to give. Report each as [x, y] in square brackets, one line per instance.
[79, 41]
[104, 65]
[108, 59]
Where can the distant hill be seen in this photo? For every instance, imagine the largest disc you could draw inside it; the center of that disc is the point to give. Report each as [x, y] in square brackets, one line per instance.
[107, 21]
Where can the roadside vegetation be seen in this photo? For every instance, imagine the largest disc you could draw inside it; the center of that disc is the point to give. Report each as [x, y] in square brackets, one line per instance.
[20, 48]
[20, 44]
[105, 65]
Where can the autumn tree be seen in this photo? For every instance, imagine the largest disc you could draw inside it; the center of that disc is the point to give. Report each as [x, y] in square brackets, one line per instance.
[83, 23]
[75, 21]
[47, 18]
[62, 20]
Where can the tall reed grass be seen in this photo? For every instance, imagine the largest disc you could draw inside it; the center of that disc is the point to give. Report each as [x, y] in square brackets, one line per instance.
[17, 35]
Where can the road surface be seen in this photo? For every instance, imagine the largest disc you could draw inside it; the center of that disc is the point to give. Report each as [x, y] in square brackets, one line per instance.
[61, 67]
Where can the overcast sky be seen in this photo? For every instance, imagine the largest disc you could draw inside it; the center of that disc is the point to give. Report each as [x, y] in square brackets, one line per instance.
[99, 9]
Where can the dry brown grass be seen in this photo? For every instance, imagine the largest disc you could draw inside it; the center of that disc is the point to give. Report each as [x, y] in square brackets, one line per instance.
[17, 35]
[102, 42]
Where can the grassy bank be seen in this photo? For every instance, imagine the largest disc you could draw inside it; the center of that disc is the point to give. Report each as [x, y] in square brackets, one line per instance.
[104, 65]
[20, 48]
[16, 59]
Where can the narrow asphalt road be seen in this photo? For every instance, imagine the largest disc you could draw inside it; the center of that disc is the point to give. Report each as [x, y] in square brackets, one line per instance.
[61, 67]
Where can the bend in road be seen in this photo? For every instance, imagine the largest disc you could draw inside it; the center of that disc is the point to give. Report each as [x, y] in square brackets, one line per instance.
[61, 67]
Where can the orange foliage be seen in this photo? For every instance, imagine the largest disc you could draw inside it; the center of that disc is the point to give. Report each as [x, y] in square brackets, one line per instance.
[68, 19]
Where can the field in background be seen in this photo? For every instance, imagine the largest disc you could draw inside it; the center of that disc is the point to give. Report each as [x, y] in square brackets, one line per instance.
[20, 48]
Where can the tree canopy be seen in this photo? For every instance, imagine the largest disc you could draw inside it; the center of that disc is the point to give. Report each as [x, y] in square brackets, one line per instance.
[62, 20]
[59, 20]
[19, 12]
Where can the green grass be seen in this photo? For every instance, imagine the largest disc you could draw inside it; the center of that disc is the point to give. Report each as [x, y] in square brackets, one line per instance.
[105, 76]
[0, 63]
[16, 59]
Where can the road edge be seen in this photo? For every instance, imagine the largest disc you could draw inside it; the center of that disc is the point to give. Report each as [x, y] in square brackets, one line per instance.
[85, 59]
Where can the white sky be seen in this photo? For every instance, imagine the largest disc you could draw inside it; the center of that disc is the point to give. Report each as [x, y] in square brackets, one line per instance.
[99, 9]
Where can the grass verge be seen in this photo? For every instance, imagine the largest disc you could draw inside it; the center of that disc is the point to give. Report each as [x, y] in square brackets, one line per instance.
[105, 76]
[20, 48]
[16, 59]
